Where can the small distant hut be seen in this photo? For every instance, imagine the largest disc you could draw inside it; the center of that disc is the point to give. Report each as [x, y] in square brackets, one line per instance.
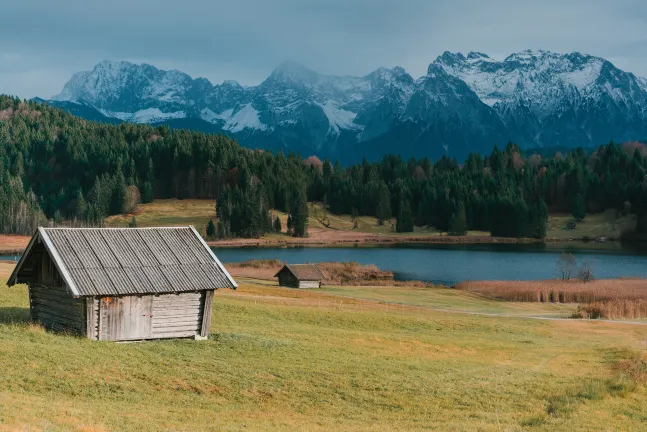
[122, 284]
[300, 276]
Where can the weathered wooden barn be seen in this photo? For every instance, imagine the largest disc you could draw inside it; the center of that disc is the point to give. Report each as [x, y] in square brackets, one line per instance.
[122, 284]
[300, 276]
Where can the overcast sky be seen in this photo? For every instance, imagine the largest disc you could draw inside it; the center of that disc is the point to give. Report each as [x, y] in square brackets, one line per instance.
[43, 42]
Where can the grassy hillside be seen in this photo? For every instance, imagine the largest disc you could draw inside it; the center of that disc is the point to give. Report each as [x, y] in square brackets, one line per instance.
[169, 212]
[607, 224]
[281, 359]
[174, 212]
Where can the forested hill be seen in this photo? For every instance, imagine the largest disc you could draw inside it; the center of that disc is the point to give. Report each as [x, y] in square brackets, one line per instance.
[56, 166]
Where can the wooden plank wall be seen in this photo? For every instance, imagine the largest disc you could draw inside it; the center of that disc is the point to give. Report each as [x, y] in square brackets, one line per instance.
[177, 315]
[206, 314]
[56, 310]
[288, 279]
[125, 318]
[308, 284]
[92, 318]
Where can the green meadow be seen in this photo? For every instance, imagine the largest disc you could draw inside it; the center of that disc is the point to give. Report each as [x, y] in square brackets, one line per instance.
[333, 359]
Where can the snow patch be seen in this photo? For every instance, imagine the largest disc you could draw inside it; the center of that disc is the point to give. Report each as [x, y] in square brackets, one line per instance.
[338, 118]
[212, 117]
[150, 115]
[585, 76]
[642, 83]
[246, 118]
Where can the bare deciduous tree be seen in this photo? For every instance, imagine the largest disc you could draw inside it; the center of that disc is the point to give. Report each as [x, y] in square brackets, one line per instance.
[132, 199]
[585, 273]
[565, 266]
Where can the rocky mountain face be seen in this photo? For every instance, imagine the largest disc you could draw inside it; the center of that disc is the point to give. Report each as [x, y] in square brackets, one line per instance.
[463, 104]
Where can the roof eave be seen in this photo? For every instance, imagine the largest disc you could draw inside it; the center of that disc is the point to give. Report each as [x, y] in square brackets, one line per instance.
[283, 268]
[58, 262]
[234, 285]
[13, 279]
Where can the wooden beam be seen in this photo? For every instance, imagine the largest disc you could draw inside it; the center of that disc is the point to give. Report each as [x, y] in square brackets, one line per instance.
[206, 313]
[90, 318]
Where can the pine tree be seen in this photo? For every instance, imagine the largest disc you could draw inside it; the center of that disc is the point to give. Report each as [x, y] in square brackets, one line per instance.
[118, 192]
[458, 224]
[405, 218]
[148, 191]
[80, 207]
[58, 217]
[277, 225]
[579, 207]
[327, 170]
[222, 230]
[299, 213]
[211, 229]
[383, 206]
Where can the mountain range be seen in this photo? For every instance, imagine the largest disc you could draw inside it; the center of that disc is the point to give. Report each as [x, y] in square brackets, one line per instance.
[465, 103]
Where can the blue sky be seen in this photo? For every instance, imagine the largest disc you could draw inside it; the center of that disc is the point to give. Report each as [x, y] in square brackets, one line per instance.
[43, 42]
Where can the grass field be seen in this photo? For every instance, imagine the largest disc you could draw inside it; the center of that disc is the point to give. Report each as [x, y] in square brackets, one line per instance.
[605, 224]
[281, 359]
[451, 300]
[169, 212]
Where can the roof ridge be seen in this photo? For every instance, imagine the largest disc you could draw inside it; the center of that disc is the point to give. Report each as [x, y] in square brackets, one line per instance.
[118, 228]
[91, 261]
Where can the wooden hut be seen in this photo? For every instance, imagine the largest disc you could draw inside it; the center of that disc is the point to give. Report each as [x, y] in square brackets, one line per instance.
[122, 284]
[300, 276]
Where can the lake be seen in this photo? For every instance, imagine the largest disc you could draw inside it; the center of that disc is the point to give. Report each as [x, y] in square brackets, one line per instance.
[450, 264]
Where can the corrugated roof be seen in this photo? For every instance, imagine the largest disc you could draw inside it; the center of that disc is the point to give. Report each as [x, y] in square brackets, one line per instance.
[304, 272]
[118, 261]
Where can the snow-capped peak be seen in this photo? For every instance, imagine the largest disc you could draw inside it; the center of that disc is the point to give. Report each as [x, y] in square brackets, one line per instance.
[294, 72]
[540, 76]
[120, 86]
[231, 83]
[533, 97]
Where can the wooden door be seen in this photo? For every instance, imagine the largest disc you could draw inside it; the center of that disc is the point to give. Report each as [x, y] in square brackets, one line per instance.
[125, 318]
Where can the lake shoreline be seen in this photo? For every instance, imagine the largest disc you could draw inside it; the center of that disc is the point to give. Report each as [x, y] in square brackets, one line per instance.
[308, 242]
[398, 240]
[15, 246]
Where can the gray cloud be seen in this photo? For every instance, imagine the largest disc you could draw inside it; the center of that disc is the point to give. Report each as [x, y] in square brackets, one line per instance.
[42, 42]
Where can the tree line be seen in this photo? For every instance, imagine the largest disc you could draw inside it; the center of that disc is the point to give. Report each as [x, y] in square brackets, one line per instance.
[58, 167]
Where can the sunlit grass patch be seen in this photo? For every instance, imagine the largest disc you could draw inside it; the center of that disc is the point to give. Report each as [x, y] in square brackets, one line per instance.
[284, 359]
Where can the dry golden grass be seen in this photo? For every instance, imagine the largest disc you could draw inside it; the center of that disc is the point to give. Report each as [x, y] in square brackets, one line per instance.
[11, 243]
[613, 309]
[558, 291]
[607, 298]
[6, 267]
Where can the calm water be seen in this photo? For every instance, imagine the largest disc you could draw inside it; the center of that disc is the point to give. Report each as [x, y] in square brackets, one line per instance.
[451, 264]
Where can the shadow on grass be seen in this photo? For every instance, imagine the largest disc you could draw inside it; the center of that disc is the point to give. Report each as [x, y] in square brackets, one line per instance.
[14, 315]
